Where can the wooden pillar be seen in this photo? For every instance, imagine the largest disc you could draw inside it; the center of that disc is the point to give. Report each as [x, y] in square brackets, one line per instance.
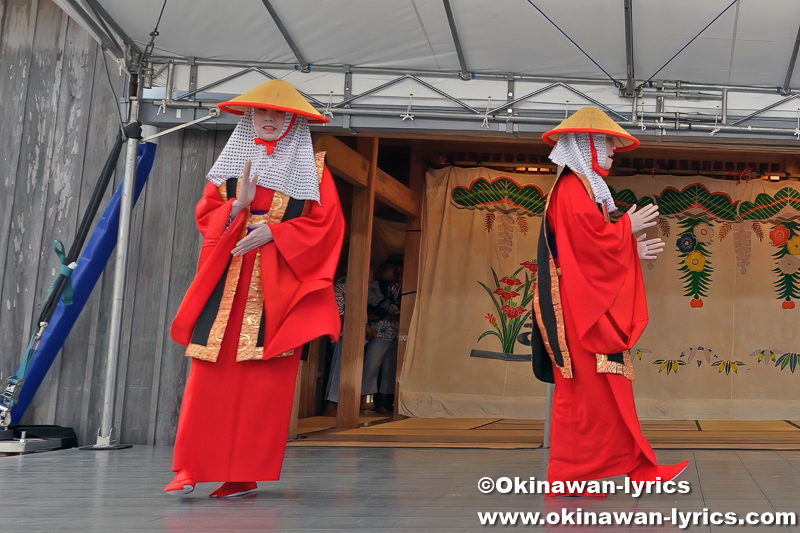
[410, 264]
[311, 372]
[355, 317]
[296, 404]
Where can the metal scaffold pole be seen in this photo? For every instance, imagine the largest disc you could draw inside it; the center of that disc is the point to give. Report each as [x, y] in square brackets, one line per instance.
[105, 437]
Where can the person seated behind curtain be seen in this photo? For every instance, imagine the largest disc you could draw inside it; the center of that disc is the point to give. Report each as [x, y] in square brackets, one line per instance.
[383, 326]
[383, 329]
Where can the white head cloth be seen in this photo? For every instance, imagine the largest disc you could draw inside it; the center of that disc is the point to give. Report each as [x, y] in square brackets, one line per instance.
[291, 169]
[574, 150]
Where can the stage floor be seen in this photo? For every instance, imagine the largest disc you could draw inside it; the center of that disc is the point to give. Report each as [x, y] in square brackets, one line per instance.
[360, 489]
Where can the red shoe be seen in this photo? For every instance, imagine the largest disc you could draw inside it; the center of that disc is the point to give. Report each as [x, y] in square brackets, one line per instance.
[231, 489]
[665, 472]
[671, 472]
[182, 484]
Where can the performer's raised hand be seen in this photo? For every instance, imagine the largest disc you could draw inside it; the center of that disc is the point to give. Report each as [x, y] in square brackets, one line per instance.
[643, 218]
[650, 248]
[258, 236]
[247, 191]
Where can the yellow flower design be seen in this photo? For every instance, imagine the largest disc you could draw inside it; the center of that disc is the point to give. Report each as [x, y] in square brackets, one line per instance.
[695, 261]
[793, 245]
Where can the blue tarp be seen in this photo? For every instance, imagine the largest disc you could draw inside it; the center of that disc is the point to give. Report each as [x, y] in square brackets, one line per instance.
[90, 267]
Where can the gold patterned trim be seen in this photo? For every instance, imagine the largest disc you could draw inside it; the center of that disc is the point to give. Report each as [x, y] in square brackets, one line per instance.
[210, 351]
[319, 159]
[254, 307]
[258, 219]
[558, 308]
[280, 201]
[201, 352]
[604, 366]
[627, 365]
[226, 305]
[253, 312]
[537, 310]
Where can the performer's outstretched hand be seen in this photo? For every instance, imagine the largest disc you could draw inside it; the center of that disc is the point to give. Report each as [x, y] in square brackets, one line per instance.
[259, 235]
[643, 218]
[649, 249]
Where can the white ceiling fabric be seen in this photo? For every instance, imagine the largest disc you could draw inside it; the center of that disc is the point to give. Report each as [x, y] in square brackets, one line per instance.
[749, 45]
[727, 74]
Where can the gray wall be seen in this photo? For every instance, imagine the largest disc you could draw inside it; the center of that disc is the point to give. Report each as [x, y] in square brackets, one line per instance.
[57, 122]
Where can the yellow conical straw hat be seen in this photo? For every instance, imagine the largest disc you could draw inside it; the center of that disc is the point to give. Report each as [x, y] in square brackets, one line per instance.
[593, 120]
[274, 94]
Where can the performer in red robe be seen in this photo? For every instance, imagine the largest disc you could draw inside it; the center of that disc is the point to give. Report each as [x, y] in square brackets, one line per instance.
[272, 232]
[591, 309]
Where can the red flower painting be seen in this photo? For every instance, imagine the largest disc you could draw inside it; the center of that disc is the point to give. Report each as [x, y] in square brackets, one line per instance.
[512, 314]
[779, 235]
[506, 295]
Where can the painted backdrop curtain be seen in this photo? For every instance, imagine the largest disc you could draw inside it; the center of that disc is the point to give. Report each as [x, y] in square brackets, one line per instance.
[724, 334]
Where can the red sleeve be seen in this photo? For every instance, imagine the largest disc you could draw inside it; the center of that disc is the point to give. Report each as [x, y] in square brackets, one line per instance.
[601, 273]
[219, 238]
[311, 244]
[212, 215]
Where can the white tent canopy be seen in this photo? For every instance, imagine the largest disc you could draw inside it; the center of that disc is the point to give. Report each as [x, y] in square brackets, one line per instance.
[525, 61]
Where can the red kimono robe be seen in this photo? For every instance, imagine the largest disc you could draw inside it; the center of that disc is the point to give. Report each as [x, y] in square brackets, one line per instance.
[266, 304]
[595, 430]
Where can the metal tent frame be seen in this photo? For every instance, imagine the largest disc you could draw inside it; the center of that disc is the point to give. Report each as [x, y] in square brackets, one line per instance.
[455, 101]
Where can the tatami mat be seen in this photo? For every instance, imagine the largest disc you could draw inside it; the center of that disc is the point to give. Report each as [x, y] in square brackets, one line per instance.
[414, 444]
[321, 423]
[377, 430]
[437, 423]
[669, 425]
[746, 425]
[526, 434]
[514, 425]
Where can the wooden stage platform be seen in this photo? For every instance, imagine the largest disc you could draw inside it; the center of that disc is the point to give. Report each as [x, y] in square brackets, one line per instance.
[377, 431]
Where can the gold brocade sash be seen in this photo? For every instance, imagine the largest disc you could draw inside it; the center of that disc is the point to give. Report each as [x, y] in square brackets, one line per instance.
[248, 348]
